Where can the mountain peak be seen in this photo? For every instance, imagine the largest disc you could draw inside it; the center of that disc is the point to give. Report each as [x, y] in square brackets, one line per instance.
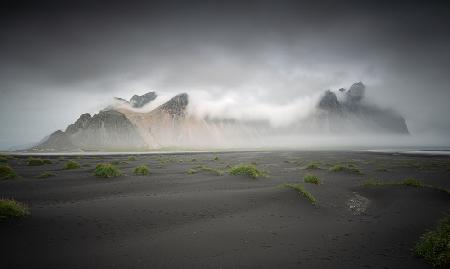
[139, 101]
[176, 106]
[361, 114]
[356, 92]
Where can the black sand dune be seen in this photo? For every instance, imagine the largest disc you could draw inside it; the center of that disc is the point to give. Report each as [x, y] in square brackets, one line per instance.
[172, 219]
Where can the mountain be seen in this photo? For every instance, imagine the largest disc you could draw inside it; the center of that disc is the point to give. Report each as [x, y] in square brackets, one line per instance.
[125, 126]
[107, 130]
[351, 113]
[139, 101]
[57, 141]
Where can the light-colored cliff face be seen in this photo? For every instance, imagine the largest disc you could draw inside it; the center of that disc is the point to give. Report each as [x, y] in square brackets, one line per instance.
[169, 125]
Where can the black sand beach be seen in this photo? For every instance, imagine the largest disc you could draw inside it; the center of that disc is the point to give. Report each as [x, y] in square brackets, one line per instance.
[174, 219]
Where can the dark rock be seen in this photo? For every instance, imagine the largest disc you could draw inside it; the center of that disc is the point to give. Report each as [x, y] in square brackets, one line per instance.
[81, 123]
[108, 129]
[176, 106]
[57, 141]
[138, 101]
[353, 114]
[121, 100]
[356, 93]
[329, 101]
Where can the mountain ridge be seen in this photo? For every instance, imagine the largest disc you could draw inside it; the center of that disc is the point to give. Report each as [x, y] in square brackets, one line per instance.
[170, 124]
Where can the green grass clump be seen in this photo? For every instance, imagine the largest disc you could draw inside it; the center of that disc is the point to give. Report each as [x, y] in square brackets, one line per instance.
[37, 161]
[207, 169]
[246, 170]
[202, 168]
[131, 158]
[141, 170]
[46, 175]
[341, 168]
[434, 245]
[3, 159]
[337, 168]
[301, 190]
[115, 162]
[216, 158]
[71, 165]
[12, 209]
[192, 171]
[412, 182]
[106, 170]
[312, 166]
[6, 172]
[310, 178]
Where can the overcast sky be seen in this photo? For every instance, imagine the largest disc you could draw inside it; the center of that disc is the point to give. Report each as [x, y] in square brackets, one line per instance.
[59, 60]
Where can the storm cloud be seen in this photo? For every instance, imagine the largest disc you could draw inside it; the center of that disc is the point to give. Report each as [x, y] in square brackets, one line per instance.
[59, 60]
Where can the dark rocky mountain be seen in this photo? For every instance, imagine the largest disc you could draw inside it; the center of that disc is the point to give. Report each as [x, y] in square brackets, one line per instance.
[57, 141]
[329, 101]
[107, 130]
[139, 101]
[176, 106]
[354, 114]
[81, 123]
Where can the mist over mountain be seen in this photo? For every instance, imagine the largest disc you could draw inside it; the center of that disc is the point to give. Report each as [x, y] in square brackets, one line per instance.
[259, 63]
[126, 125]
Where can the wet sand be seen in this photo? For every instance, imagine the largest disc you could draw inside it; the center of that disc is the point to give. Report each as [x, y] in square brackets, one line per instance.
[172, 219]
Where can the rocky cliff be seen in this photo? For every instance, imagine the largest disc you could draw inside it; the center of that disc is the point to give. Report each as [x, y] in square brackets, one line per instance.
[126, 126]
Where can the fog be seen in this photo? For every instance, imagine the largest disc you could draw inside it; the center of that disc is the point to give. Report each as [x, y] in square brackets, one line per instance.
[248, 61]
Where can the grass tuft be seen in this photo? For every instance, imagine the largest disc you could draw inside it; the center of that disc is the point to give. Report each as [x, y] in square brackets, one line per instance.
[3, 159]
[12, 209]
[141, 170]
[246, 170]
[191, 171]
[37, 161]
[71, 165]
[106, 170]
[312, 166]
[212, 170]
[131, 158]
[434, 245]
[6, 172]
[341, 168]
[301, 190]
[412, 182]
[46, 175]
[310, 178]
[203, 168]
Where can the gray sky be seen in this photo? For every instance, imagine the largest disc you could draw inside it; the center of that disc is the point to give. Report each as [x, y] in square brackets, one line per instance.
[59, 60]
